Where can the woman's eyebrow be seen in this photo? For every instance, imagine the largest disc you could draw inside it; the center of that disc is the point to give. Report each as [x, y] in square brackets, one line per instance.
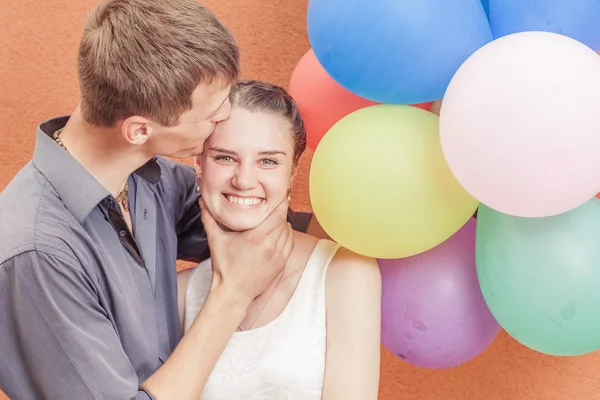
[262, 153]
[271, 152]
[222, 150]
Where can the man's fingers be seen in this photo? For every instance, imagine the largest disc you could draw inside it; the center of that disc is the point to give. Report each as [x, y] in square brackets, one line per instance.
[209, 223]
[282, 238]
[277, 217]
[289, 243]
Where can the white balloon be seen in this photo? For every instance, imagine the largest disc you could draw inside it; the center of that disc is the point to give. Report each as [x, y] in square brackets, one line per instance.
[520, 124]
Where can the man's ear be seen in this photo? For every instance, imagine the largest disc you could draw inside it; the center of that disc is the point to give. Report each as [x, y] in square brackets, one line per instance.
[136, 130]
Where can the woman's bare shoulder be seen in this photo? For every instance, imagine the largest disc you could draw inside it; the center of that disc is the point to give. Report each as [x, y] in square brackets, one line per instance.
[348, 260]
[351, 271]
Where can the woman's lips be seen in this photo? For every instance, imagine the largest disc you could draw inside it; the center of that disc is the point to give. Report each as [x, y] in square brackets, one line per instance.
[245, 201]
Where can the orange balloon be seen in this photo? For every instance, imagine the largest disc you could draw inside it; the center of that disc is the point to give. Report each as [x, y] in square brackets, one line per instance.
[322, 101]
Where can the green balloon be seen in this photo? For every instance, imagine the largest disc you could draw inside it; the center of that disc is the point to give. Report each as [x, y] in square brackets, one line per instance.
[540, 277]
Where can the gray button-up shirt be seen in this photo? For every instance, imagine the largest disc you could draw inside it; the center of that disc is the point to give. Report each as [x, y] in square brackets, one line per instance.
[86, 310]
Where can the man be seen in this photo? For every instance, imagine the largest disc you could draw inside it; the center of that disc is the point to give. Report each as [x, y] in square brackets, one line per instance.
[91, 228]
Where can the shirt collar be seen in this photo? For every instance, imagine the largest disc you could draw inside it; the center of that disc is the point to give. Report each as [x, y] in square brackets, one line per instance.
[77, 188]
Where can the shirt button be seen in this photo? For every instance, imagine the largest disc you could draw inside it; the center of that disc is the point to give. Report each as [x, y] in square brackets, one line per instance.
[122, 233]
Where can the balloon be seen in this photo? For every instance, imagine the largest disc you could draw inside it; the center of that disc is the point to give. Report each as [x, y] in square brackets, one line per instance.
[395, 51]
[520, 124]
[577, 19]
[424, 106]
[486, 7]
[433, 313]
[379, 184]
[322, 101]
[540, 277]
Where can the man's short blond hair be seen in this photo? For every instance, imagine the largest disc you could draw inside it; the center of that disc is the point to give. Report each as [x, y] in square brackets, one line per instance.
[146, 57]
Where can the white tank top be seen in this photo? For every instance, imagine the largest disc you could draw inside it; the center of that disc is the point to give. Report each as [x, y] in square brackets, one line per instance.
[284, 359]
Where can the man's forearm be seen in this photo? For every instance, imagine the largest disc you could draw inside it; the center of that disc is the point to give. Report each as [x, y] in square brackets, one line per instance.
[185, 373]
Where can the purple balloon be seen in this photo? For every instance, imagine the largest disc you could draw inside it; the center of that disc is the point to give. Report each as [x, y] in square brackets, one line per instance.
[433, 313]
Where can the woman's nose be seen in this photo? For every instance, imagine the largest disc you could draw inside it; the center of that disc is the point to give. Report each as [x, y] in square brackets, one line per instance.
[245, 177]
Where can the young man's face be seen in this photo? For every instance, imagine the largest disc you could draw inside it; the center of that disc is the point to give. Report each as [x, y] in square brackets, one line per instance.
[210, 105]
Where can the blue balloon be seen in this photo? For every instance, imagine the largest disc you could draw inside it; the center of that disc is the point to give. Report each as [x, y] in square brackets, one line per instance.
[396, 51]
[486, 7]
[577, 19]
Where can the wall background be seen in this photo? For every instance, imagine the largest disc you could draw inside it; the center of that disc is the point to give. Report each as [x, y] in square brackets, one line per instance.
[38, 46]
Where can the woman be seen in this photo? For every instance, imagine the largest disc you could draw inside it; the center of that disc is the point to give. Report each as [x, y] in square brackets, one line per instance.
[315, 332]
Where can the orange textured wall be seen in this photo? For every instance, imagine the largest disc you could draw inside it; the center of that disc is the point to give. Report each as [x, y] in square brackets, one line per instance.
[38, 43]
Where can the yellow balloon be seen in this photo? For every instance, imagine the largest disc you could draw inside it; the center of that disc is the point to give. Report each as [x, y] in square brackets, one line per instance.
[380, 186]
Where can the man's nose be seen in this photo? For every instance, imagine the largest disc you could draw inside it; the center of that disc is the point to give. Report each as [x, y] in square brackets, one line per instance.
[223, 112]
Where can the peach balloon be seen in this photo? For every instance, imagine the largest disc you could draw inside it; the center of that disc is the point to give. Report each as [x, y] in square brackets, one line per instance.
[322, 101]
[520, 124]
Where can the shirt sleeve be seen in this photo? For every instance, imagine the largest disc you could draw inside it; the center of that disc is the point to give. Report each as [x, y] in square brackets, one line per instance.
[299, 220]
[192, 242]
[55, 339]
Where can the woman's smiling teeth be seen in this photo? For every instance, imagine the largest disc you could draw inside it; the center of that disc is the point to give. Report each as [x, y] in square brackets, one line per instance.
[244, 201]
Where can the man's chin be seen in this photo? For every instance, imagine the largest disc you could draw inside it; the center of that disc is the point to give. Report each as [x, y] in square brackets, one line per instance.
[189, 153]
[182, 155]
[196, 153]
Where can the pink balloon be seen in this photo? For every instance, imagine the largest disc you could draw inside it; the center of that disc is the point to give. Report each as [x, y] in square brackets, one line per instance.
[520, 124]
[433, 313]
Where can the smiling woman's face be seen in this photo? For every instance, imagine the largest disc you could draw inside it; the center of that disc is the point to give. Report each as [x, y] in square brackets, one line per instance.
[246, 168]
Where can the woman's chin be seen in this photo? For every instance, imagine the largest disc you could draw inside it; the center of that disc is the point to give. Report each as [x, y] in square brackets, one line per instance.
[239, 224]
[240, 218]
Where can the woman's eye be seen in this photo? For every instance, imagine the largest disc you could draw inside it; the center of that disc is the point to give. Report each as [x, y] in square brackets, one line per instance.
[268, 161]
[224, 158]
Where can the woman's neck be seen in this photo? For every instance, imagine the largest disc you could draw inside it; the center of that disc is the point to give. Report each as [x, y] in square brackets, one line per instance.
[269, 306]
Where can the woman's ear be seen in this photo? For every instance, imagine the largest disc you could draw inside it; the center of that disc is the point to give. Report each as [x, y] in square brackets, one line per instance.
[197, 166]
[289, 194]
